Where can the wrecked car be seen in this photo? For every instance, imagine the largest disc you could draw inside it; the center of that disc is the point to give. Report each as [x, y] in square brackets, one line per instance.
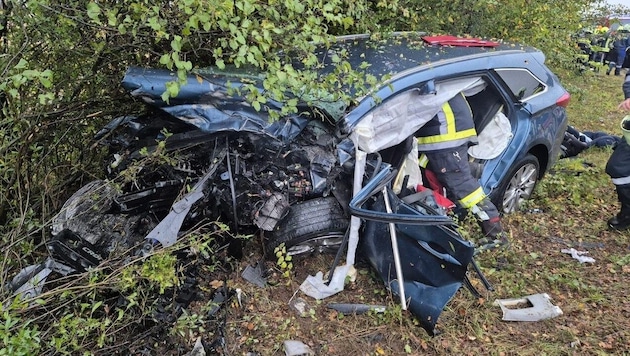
[210, 155]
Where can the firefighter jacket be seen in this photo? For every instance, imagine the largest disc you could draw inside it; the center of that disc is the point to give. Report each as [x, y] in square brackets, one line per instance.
[618, 166]
[452, 126]
[626, 86]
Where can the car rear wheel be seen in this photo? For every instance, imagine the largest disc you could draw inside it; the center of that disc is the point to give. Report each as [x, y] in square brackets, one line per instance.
[316, 225]
[518, 185]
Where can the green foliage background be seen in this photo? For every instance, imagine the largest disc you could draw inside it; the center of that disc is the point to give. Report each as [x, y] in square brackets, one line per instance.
[62, 61]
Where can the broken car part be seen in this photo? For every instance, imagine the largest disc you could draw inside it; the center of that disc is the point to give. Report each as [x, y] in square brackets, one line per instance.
[166, 231]
[28, 283]
[354, 308]
[315, 286]
[534, 307]
[435, 256]
[254, 275]
[394, 240]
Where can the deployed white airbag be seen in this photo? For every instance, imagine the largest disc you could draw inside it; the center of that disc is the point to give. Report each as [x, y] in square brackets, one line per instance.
[493, 139]
[399, 117]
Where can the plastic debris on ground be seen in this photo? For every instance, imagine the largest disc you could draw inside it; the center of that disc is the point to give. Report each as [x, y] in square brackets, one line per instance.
[300, 306]
[351, 308]
[297, 348]
[536, 307]
[578, 255]
[198, 349]
[314, 286]
[254, 275]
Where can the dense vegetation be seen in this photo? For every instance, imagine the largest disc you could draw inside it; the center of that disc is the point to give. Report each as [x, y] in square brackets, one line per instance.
[61, 64]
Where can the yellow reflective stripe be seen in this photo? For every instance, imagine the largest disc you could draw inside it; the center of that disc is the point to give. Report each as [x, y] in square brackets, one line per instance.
[423, 161]
[473, 198]
[448, 137]
[450, 119]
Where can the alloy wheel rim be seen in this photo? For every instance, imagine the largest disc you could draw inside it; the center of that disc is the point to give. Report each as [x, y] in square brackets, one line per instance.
[520, 188]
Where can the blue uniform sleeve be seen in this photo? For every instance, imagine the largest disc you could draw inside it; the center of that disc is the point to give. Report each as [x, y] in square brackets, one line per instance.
[626, 86]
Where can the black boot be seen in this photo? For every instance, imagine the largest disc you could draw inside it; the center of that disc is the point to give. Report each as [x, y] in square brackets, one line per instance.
[617, 71]
[494, 235]
[621, 221]
[491, 227]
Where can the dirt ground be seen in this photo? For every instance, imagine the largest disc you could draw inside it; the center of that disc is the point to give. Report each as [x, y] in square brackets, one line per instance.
[592, 297]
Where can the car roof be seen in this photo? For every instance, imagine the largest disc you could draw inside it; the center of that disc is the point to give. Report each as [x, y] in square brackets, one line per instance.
[404, 51]
[385, 57]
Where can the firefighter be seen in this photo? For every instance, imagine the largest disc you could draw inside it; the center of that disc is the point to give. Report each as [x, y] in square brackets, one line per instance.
[443, 143]
[601, 44]
[618, 166]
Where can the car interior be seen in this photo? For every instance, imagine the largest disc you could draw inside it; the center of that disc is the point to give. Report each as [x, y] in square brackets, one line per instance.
[489, 113]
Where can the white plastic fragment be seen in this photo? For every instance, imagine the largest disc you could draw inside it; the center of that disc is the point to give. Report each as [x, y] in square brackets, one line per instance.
[198, 349]
[314, 286]
[296, 348]
[578, 255]
[541, 308]
[300, 306]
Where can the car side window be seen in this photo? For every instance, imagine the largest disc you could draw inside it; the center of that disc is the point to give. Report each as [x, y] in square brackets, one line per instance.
[485, 105]
[521, 82]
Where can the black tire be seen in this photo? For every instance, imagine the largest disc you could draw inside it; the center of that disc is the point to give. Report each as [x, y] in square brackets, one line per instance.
[316, 225]
[517, 185]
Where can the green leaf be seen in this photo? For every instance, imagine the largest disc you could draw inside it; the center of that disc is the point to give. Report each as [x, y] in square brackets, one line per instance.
[46, 78]
[93, 11]
[112, 18]
[176, 44]
[23, 63]
[154, 23]
[165, 59]
[282, 76]
[240, 38]
[45, 98]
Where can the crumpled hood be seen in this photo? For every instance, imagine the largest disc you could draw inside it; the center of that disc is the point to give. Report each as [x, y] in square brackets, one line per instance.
[208, 101]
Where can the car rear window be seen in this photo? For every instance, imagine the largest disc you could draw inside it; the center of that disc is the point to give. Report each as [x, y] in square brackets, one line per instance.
[521, 82]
